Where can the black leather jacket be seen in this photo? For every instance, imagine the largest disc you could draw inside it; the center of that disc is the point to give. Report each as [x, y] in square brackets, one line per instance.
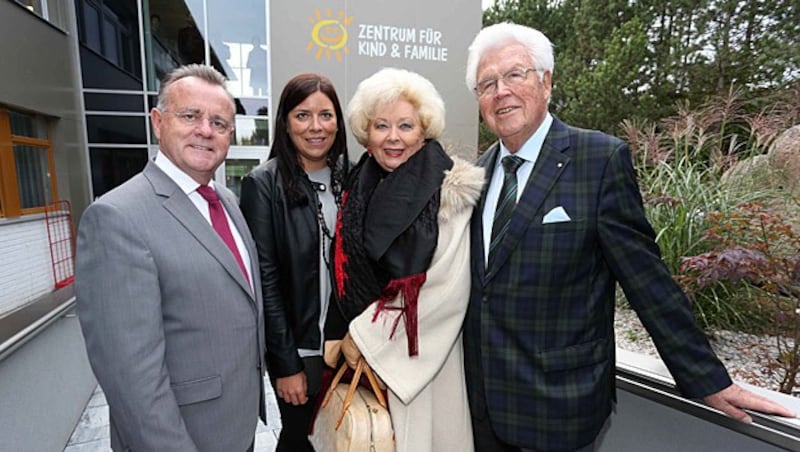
[287, 238]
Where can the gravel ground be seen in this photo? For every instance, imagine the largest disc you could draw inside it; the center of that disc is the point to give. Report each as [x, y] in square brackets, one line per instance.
[743, 354]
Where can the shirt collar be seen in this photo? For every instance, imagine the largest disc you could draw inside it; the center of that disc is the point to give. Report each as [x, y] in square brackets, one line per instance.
[530, 149]
[184, 181]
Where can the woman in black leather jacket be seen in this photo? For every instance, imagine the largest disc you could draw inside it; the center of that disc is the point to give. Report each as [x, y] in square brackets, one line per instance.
[290, 203]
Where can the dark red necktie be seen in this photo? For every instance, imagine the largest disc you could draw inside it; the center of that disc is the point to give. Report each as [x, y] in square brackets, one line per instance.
[220, 223]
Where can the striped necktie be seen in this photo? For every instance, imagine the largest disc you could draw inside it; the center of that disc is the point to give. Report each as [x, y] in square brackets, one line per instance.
[505, 202]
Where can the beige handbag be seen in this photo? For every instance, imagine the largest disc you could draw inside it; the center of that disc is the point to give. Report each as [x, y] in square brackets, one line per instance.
[353, 418]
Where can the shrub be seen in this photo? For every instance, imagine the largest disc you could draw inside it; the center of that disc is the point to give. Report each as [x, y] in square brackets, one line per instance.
[680, 161]
[755, 248]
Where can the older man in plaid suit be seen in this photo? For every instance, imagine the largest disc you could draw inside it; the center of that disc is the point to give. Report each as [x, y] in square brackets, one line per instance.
[560, 223]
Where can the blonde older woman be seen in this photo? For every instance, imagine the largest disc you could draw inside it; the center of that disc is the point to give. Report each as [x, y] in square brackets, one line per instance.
[402, 259]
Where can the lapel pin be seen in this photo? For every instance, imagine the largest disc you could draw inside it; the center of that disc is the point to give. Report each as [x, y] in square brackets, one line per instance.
[559, 164]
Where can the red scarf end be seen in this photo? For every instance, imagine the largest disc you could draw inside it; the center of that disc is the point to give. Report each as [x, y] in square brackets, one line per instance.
[408, 287]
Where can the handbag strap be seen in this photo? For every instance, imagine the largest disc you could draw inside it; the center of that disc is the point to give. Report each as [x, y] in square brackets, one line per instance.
[334, 383]
[373, 381]
[361, 367]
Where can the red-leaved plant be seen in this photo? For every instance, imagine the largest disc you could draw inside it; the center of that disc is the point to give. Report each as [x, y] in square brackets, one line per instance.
[755, 246]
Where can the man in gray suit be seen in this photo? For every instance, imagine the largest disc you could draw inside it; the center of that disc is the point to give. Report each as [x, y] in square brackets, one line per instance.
[170, 306]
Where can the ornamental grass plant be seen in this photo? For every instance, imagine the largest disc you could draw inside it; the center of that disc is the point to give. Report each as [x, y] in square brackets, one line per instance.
[732, 243]
[680, 162]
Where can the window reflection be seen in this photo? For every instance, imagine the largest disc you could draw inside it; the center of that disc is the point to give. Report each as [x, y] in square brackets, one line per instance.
[111, 167]
[113, 102]
[48, 10]
[91, 27]
[164, 54]
[252, 131]
[116, 129]
[33, 5]
[191, 47]
[110, 29]
[173, 37]
[234, 41]
[257, 66]
[252, 106]
[235, 170]
[33, 176]
[238, 35]
[26, 125]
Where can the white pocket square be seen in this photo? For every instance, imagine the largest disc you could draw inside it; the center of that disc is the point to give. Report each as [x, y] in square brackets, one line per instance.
[557, 215]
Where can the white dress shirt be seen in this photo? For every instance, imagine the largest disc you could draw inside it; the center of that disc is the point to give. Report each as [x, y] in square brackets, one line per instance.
[189, 186]
[529, 152]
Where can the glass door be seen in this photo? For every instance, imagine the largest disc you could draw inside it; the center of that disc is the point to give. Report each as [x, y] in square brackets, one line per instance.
[239, 162]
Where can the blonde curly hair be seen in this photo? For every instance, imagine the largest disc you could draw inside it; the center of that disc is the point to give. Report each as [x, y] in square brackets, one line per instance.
[387, 86]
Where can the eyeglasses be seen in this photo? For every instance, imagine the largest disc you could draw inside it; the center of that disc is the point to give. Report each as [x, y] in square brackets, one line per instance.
[511, 78]
[193, 118]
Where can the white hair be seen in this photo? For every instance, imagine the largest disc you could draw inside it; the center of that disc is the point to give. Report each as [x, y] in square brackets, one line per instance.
[387, 86]
[539, 47]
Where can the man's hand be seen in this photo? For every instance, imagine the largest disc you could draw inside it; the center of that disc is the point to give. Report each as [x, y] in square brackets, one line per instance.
[733, 399]
[350, 351]
[292, 389]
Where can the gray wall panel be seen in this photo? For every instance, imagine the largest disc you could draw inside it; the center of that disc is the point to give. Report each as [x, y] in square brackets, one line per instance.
[38, 73]
[45, 386]
[454, 22]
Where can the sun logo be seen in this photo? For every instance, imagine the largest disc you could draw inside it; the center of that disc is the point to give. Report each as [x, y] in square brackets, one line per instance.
[329, 34]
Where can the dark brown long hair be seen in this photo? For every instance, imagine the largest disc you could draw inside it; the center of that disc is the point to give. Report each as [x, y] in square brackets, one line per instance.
[292, 173]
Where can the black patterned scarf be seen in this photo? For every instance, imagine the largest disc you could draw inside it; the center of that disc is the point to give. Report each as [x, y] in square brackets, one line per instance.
[386, 235]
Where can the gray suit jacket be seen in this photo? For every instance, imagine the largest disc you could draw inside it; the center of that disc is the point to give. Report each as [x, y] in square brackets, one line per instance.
[174, 333]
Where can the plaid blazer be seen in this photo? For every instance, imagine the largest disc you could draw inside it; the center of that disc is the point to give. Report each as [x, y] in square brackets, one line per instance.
[539, 333]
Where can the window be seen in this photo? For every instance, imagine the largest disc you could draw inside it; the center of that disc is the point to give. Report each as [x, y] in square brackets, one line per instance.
[91, 28]
[27, 171]
[251, 131]
[113, 166]
[46, 9]
[110, 29]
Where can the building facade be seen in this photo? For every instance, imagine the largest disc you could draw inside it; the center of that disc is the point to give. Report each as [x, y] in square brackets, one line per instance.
[42, 141]
[78, 79]
[82, 76]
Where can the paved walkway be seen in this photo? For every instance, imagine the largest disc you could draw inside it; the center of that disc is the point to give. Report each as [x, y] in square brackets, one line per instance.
[91, 433]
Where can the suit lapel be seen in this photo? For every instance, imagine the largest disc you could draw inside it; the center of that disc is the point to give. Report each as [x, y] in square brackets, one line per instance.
[486, 161]
[550, 164]
[229, 202]
[182, 209]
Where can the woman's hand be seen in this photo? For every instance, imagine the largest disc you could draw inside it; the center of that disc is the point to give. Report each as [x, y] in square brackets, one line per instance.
[350, 351]
[292, 389]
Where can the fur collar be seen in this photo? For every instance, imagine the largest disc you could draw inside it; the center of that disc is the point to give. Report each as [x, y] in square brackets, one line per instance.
[461, 188]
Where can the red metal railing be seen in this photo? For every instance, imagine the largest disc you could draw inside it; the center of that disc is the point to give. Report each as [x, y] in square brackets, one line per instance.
[61, 234]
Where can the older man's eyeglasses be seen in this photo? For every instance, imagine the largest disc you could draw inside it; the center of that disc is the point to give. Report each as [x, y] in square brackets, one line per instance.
[511, 78]
[193, 118]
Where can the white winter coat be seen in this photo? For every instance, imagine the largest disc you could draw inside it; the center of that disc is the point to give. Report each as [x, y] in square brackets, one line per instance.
[427, 393]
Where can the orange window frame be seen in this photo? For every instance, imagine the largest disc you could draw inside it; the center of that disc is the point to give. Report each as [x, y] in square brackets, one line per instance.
[9, 185]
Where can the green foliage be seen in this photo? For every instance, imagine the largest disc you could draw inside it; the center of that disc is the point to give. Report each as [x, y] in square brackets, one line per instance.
[585, 97]
[619, 59]
[677, 197]
[680, 161]
[544, 15]
[485, 137]
[694, 86]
